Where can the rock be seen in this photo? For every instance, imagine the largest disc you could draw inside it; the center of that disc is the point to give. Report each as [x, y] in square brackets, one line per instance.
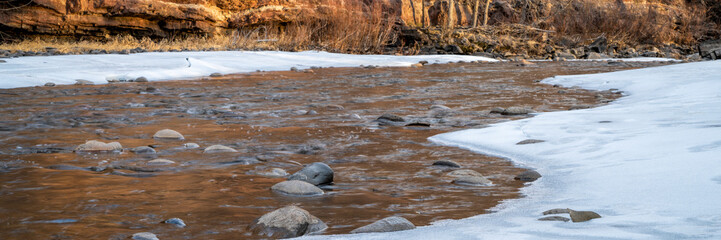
[529, 141]
[472, 180]
[525, 63]
[98, 146]
[294, 69]
[274, 173]
[391, 117]
[424, 62]
[498, 110]
[160, 162]
[218, 149]
[145, 236]
[582, 216]
[141, 79]
[464, 173]
[316, 173]
[296, 187]
[557, 211]
[446, 163]
[83, 82]
[650, 54]
[554, 218]
[216, 74]
[287, 222]
[599, 45]
[334, 107]
[454, 49]
[528, 176]
[168, 134]
[516, 111]
[143, 150]
[389, 224]
[191, 146]
[176, 221]
[50, 84]
[416, 65]
[439, 107]
[593, 55]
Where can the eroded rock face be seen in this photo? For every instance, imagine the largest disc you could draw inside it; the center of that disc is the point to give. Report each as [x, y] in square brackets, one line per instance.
[287, 222]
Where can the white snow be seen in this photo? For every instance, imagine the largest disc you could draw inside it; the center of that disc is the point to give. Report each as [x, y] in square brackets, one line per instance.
[155, 66]
[649, 163]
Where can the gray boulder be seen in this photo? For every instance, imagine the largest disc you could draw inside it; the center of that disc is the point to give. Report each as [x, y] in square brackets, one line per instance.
[144, 236]
[582, 216]
[143, 150]
[176, 221]
[287, 222]
[446, 163]
[389, 224]
[516, 111]
[554, 218]
[528, 176]
[296, 187]
[316, 173]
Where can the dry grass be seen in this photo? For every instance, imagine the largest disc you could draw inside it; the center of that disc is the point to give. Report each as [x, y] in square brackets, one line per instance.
[337, 26]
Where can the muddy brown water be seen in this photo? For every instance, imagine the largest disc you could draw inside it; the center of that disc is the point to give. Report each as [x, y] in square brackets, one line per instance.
[275, 120]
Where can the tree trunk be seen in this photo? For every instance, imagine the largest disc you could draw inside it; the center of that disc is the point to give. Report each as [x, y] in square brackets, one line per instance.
[475, 15]
[451, 13]
[485, 15]
[413, 9]
[423, 12]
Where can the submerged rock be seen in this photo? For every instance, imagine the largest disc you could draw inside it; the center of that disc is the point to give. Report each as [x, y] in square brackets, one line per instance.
[274, 173]
[143, 150]
[389, 224]
[554, 218]
[446, 163]
[472, 180]
[516, 111]
[145, 236]
[287, 222]
[315, 173]
[391, 117]
[191, 146]
[218, 149]
[296, 187]
[168, 134]
[161, 161]
[557, 211]
[98, 146]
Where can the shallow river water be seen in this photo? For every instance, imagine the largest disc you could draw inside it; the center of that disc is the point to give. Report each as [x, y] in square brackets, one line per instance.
[275, 120]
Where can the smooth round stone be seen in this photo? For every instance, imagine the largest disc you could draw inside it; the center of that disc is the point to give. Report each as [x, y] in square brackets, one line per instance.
[49, 84]
[83, 82]
[168, 134]
[464, 173]
[274, 173]
[176, 221]
[446, 163]
[528, 176]
[296, 187]
[218, 149]
[141, 79]
[98, 146]
[191, 146]
[143, 150]
[316, 173]
[472, 180]
[516, 111]
[582, 216]
[145, 236]
[160, 162]
[389, 224]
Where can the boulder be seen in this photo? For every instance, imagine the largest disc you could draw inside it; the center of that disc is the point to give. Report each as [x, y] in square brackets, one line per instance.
[296, 188]
[593, 55]
[176, 221]
[98, 146]
[582, 216]
[528, 176]
[472, 180]
[218, 149]
[389, 224]
[143, 150]
[557, 211]
[160, 161]
[464, 173]
[191, 146]
[141, 79]
[599, 45]
[315, 173]
[168, 134]
[287, 222]
[49, 84]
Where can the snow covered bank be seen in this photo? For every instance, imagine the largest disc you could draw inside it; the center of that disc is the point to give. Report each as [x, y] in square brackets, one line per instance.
[155, 66]
[649, 163]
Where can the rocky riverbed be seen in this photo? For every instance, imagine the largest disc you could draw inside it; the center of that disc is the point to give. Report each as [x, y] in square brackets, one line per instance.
[368, 124]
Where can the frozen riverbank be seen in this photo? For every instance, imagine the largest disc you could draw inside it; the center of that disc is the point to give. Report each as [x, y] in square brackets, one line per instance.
[648, 162]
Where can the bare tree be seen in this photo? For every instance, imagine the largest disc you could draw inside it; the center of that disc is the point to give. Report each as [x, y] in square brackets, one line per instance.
[413, 9]
[485, 15]
[475, 15]
[451, 13]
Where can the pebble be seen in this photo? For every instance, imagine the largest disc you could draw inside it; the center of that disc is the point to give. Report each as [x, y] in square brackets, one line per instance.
[176, 221]
[446, 163]
[216, 74]
[143, 150]
[50, 84]
[297, 188]
[417, 65]
[191, 146]
[529, 141]
[168, 134]
[161, 161]
[218, 149]
[389, 224]
[145, 236]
